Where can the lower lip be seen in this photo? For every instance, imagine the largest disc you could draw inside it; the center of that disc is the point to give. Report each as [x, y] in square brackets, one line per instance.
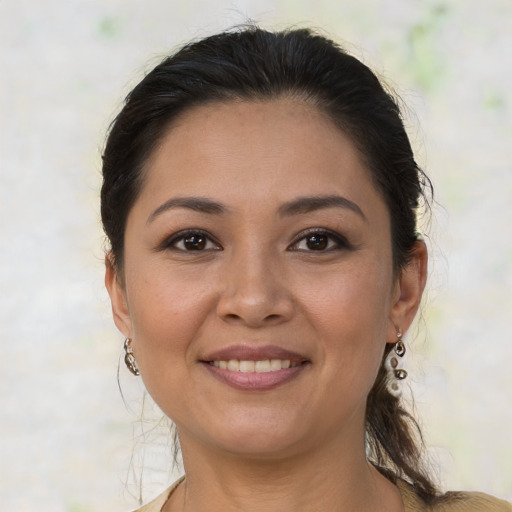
[252, 381]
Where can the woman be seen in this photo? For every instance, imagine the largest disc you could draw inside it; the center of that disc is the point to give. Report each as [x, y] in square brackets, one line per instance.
[260, 198]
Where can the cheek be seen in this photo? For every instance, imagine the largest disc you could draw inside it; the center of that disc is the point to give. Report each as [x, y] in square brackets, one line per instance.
[166, 312]
[353, 294]
[350, 310]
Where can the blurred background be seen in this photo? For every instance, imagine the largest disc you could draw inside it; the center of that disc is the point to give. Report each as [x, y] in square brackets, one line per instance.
[69, 442]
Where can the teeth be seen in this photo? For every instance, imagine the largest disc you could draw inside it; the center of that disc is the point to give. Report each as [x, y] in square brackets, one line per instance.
[275, 364]
[263, 366]
[246, 366]
[234, 365]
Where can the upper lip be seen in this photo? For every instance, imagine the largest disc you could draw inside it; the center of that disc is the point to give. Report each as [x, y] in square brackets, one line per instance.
[254, 353]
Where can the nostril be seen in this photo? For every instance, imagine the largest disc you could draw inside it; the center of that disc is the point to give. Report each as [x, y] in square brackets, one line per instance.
[254, 306]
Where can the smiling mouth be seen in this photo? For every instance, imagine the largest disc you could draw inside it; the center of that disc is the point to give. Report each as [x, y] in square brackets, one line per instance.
[261, 366]
[256, 375]
[249, 367]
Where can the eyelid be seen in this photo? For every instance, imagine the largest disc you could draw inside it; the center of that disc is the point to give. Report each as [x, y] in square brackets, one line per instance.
[169, 243]
[339, 239]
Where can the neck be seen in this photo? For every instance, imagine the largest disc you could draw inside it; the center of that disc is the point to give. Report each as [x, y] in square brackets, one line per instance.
[334, 477]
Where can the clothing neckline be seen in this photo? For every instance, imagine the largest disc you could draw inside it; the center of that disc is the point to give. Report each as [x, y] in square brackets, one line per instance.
[410, 500]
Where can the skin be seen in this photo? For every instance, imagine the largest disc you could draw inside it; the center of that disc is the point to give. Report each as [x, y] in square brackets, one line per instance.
[258, 282]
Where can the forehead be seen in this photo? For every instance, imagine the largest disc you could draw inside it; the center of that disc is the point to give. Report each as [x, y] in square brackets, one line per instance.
[256, 152]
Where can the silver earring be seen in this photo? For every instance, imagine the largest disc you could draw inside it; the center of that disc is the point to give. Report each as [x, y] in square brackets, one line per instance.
[392, 363]
[129, 357]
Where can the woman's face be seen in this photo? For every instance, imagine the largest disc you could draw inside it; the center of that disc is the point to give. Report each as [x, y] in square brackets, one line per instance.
[258, 284]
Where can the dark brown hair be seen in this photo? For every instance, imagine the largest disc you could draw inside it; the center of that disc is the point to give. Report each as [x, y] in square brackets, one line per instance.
[254, 64]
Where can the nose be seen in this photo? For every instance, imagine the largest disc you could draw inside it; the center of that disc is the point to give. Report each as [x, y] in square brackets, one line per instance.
[254, 294]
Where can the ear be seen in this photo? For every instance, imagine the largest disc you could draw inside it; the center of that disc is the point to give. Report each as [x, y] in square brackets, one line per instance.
[408, 291]
[117, 292]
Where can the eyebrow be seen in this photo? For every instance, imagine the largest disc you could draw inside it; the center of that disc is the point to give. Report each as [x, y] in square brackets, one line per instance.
[197, 204]
[310, 204]
[298, 206]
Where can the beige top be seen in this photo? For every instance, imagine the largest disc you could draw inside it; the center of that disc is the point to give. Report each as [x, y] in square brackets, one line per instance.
[459, 502]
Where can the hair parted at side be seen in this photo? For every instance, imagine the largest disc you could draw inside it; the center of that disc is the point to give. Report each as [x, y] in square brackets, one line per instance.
[252, 64]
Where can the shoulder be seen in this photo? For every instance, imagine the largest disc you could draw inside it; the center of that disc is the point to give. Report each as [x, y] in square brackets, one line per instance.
[452, 502]
[157, 504]
[471, 502]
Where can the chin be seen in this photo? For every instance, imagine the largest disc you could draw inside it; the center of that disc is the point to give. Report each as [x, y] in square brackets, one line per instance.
[254, 437]
[261, 445]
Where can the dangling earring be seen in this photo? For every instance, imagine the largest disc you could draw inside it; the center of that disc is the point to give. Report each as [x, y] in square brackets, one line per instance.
[395, 374]
[129, 357]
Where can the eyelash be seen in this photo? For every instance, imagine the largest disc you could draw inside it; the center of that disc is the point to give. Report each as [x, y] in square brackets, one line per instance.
[181, 236]
[335, 241]
[339, 241]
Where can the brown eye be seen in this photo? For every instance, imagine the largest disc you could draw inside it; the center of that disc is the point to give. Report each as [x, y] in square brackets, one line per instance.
[195, 242]
[317, 242]
[191, 241]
